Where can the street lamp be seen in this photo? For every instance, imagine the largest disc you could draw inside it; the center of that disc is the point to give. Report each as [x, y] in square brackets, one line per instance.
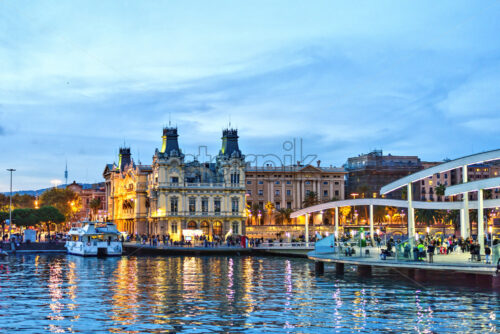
[10, 201]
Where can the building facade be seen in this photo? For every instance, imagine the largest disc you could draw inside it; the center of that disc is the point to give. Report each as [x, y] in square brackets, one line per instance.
[192, 198]
[87, 195]
[178, 197]
[367, 173]
[126, 193]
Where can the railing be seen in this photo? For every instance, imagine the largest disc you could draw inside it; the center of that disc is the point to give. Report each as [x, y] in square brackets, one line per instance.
[278, 245]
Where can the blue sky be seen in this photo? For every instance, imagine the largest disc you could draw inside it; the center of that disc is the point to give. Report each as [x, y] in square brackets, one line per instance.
[80, 78]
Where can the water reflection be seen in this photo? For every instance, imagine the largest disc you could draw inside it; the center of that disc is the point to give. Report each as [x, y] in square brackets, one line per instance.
[63, 294]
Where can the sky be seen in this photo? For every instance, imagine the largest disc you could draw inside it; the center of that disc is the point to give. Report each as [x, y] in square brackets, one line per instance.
[79, 79]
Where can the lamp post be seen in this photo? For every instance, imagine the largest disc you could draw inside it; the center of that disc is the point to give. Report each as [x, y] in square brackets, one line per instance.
[10, 200]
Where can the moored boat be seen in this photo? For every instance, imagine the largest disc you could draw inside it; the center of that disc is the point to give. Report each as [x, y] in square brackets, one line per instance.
[94, 239]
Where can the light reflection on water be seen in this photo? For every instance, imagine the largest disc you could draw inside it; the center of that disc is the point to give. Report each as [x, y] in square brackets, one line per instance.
[65, 294]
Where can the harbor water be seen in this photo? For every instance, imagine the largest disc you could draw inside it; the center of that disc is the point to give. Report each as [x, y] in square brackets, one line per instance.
[71, 294]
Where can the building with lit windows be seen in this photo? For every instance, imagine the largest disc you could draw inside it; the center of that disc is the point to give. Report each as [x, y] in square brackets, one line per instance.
[190, 198]
[126, 193]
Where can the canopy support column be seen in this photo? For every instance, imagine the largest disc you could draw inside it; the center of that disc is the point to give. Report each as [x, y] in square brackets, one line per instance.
[371, 225]
[466, 220]
[480, 219]
[336, 223]
[306, 236]
[411, 216]
[463, 226]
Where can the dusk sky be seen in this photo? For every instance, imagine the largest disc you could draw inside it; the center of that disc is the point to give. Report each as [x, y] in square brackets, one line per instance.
[78, 79]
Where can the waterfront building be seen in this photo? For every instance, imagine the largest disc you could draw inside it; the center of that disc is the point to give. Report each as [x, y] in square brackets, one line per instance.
[191, 197]
[126, 193]
[367, 173]
[86, 212]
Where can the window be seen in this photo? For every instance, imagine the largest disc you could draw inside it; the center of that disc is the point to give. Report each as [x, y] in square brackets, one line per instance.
[288, 182]
[261, 182]
[438, 176]
[217, 205]
[325, 193]
[174, 204]
[445, 176]
[235, 205]
[277, 182]
[261, 205]
[174, 227]
[261, 192]
[288, 205]
[423, 182]
[336, 192]
[308, 182]
[204, 205]
[235, 178]
[325, 183]
[277, 205]
[249, 182]
[192, 205]
[336, 182]
[249, 192]
[236, 227]
[430, 182]
[288, 192]
[276, 192]
[217, 228]
[174, 179]
[308, 192]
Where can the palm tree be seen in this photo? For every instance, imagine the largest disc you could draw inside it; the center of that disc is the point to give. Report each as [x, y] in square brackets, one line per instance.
[283, 215]
[255, 210]
[425, 216]
[439, 190]
[270, 208]
[310, 200]
[391, 211]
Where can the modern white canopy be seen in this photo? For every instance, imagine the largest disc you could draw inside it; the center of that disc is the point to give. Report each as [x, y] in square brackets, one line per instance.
[490, 183]
[446, 166]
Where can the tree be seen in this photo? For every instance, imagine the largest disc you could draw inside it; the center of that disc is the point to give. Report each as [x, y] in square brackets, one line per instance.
[50, 214]
[95, 205]
[310, 199]
[25, 217]
[3, 216]
[425, 216]
[344, 212]
[61, 199]
[269, 210]
[454, 217]
[391, 211]
[284, 215]
[255, 210]
[439, 190]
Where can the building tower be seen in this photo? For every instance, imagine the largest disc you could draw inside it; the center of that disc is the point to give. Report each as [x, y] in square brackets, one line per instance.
[66, 173]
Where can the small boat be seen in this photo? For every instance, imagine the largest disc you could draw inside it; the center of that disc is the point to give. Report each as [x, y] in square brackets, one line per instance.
[3, 253]
[94, 239]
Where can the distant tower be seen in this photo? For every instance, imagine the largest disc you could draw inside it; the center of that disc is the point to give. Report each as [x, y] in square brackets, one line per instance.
[66, 172]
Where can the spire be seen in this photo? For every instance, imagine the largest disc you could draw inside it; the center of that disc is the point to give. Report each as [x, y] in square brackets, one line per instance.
[124, 157]
[170, 145]
[66, 173]
[230, 143]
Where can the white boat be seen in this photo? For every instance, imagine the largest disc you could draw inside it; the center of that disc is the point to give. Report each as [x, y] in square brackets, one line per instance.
[94, 239]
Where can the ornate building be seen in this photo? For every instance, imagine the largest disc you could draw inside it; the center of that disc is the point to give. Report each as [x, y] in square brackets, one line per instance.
[194, 197]
[178, 197]
[126, 193]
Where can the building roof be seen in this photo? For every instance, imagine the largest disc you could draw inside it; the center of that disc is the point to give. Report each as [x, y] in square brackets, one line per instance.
[296, 168]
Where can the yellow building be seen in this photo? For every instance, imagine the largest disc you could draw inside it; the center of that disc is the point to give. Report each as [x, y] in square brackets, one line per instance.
[126, 193]
[178, 197]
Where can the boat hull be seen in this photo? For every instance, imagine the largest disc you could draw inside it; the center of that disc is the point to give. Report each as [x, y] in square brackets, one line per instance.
[113, 248]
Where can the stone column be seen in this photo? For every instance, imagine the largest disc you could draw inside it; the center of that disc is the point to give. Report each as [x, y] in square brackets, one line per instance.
[463, 226]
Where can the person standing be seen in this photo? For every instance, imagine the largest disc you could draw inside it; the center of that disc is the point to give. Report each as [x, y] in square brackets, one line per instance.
[430, 252]
[487, 253]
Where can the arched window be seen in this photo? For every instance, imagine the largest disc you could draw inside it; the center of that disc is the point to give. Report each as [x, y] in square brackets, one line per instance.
[205, 227]
[192, 225]
[217, 228]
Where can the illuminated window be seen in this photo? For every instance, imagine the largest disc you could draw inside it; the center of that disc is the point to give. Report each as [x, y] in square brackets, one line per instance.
[430, 182]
